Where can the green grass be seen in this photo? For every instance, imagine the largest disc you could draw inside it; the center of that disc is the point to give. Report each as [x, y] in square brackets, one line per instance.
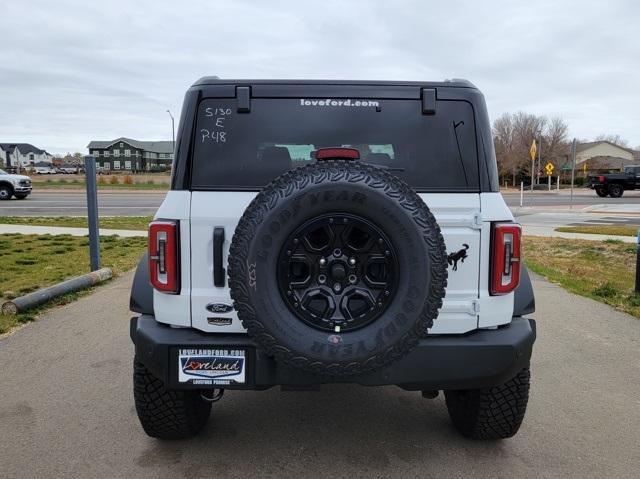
[30, 262]
[600, 230]
[136, 223]
[604, 271]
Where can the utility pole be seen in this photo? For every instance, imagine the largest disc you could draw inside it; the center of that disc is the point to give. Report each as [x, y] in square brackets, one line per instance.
[573, 169]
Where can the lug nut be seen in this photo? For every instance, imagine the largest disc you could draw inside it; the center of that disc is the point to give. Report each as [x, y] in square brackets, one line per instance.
[352, 261]
[322, 279]
[337, 287]
[352, 278]
[337, 252]
[323, 261]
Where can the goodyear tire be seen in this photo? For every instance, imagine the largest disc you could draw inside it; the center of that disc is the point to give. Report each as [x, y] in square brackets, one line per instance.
[416, 268]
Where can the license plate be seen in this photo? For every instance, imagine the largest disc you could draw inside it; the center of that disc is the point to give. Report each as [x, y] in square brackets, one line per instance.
[211, 366]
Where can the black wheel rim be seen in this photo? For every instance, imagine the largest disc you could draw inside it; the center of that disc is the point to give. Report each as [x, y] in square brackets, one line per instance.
[337, 272]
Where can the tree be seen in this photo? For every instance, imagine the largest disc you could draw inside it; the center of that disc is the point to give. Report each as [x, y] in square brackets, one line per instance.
[513, 134]
[615, 139]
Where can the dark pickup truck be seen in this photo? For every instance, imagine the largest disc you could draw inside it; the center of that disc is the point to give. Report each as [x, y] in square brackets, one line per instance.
[614, 184]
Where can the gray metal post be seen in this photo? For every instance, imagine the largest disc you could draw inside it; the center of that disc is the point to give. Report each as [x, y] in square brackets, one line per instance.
[92, 212]
[638, 264]
[573, 170]
[539, 158]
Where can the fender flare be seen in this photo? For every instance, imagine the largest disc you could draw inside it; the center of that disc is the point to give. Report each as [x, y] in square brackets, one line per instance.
[524, 301]
[141, 299]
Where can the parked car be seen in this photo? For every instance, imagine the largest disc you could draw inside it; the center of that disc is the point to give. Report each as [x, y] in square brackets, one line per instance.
[615, 184]
[260, 273]
[14, 185]
[44, 170]
[68, 169]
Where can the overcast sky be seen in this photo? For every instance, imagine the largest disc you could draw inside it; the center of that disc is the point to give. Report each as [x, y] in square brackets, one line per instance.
[75, 71]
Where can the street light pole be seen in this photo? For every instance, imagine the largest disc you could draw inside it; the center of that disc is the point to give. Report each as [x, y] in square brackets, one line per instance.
[173, 134]
[539, 154]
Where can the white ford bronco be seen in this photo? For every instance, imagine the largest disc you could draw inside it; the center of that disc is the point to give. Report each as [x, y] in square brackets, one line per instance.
[333, 231]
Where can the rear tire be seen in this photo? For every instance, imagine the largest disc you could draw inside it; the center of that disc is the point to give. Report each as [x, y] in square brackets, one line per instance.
[616, 190]
[490, 413]
[602, 192]
[166, 413]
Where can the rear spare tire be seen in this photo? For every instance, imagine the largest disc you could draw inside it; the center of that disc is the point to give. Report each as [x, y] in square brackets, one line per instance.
[337, 268]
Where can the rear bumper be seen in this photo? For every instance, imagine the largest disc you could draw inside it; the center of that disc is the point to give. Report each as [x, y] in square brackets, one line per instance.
[478, 359]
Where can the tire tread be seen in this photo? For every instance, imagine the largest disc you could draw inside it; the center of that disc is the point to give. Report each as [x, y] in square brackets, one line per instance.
[490, 413]
[165, 413]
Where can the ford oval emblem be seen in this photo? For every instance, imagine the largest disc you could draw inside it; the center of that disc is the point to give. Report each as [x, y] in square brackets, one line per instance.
[219, 307]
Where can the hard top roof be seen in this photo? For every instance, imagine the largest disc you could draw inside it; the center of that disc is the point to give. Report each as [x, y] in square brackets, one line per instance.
[454, 82]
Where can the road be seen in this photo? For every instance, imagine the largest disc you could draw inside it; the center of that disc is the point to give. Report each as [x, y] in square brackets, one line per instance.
[74, 203]
[66, 409]
[582, 197]
[134, 203]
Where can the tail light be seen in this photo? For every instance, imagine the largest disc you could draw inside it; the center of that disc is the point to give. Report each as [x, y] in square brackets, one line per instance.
[505, 259]
[601, 179]
[163, 256]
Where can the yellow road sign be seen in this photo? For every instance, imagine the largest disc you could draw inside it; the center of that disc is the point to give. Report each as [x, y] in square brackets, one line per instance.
[533, 150]
[549, 168]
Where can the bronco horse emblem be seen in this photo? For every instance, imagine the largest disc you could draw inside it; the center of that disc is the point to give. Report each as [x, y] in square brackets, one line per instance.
[459, 255]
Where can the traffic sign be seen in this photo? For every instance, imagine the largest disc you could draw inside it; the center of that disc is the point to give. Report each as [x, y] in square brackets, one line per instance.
[549, 168]
[533, 150]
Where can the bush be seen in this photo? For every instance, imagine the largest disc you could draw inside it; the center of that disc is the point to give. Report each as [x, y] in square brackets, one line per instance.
[128, 180]
[606, 290]
[114, 180]
[101, 180]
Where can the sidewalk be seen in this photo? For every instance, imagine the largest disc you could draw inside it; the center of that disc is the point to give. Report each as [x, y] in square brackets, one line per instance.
[530, 230]
[549, 231]
[59, 230]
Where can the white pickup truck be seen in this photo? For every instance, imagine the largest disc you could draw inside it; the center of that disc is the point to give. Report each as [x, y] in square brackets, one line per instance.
[14, 185]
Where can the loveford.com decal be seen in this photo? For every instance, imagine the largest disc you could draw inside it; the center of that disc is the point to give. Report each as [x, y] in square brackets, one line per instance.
[211, 366]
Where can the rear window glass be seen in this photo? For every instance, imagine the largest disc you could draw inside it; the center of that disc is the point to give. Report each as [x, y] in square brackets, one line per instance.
[247, 150]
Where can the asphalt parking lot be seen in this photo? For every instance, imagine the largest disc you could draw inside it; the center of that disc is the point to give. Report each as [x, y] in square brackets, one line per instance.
[66, 409]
